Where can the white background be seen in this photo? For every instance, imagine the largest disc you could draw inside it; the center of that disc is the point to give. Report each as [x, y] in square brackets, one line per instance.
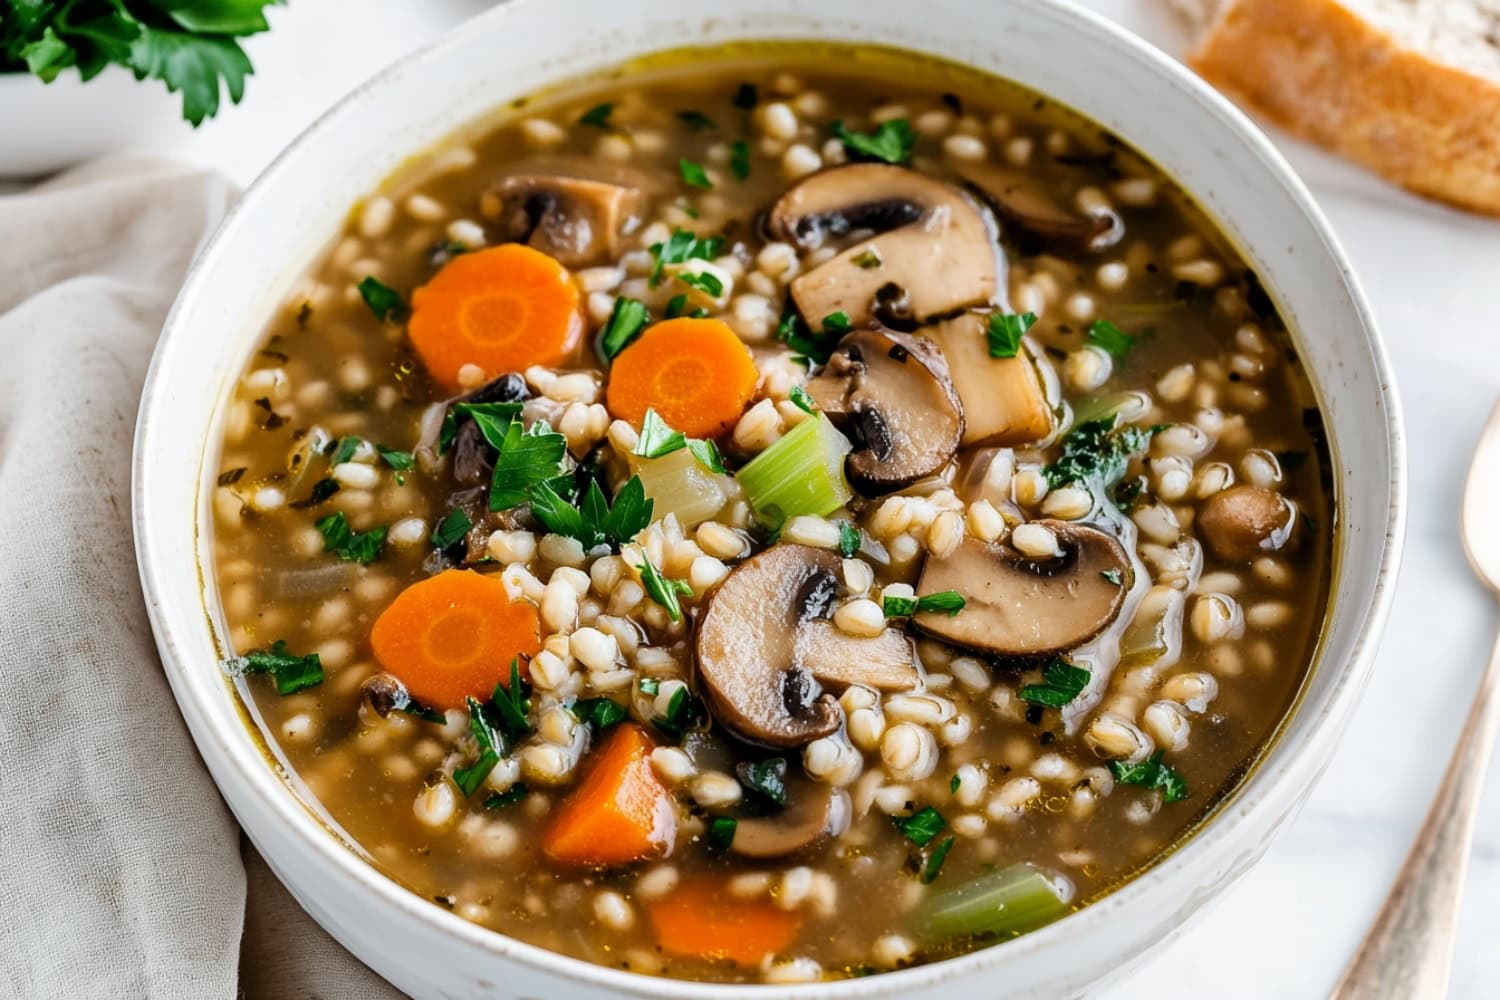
[1287, 928]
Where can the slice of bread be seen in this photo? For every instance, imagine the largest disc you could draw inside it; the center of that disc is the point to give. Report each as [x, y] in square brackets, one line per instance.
[1409, 88]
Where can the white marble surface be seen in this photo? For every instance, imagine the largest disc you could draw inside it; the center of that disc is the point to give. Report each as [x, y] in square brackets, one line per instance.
[1434, 276]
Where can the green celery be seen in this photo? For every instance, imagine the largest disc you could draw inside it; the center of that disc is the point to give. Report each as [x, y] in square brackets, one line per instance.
[803, 473]
[1016, 899]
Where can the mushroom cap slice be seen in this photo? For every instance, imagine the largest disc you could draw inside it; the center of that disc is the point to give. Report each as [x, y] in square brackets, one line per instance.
[573, 219]
[1006, 401]
[1246, 521]
[894, 395]
[816, 813]
[746, 647]
[1018, 200]
[932, 243]
[884, 662]
[1019, 606]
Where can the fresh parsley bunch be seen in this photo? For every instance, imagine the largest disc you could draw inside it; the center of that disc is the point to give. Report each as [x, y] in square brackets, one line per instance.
[189, 45]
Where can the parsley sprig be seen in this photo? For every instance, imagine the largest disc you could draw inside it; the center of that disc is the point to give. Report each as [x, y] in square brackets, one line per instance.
[891, 142]
[657, 439]
[292, 673]
[595, 521]
[1005, 331]
[1152, 773]
[1061, 683]
[349, 545]
[1096, 453]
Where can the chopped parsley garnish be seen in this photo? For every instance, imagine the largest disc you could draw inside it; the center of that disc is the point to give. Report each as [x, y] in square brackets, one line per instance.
[681, 247]
[594, 522]
[625, 323]
[954, 783]
[707, 454]
[597, 116]
[676, 305]
[802, 400]
[292, 673]
[510, 705]
[349, 545]
[950, 602]
[491, 748]
[452, 528]
[384, 301]
[321, 490]
[721, 832]
[1096, 452]
[867, 260]
[848, 539]
[527, 459]
[696, 120]
[232, 476]
[707, 283]
[344, 450]
[512, 795]
[601, 713]
[766, 778]
[739, 158]
[891, 142]
[656, 438]
[1151, 773]
[664, 590]
[1061, 683]
[921, 827]
[1114, 576]
[746, 96]
[1005, 332]
[935, 861]
[492, 419]
[678, 716]
[401, 461]
[693, 174]
[792, 332]
[1110, 338]
[837, 322]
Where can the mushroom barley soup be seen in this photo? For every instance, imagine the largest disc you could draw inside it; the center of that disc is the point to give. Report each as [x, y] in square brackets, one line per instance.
[773, 518]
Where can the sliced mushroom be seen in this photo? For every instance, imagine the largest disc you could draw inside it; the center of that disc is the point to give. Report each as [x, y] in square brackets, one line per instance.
[1018, 200]
[747, 641]
[574, 219]
[892, 393]
[1244, 521]
[1006, 401]
[934, 249]
[836, 659]
[815, 813]
[1019, 606]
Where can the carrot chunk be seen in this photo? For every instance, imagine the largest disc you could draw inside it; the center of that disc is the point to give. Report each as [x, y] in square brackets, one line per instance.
[700, 919]
[503, 309]
[619, 813]
[453, 636]
[695, 373]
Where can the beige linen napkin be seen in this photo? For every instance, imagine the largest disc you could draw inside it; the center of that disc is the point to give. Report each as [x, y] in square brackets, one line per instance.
[121, 870]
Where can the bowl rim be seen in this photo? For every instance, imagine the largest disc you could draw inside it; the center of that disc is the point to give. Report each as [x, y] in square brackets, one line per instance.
[1271, 776]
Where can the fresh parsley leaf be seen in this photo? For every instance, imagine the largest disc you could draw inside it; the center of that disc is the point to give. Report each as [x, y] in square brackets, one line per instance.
[349, 545]
[597, 116]
[1005, 332]
[696, 120]
[837, 322]
[656, 438]
[921, 827]
[321, 490]
[199, 66]
[675, 306]
[721, 832]
[384, 301]
[596, 522]
[849, 539]
[601, 713]
[510, 704]
[707, 454]
[1096, 452]
[491, 749]
[935, 861]
[1061, 683]
[1110, 338]
[746, 96]
[499, 800]
[452, 528]
[292, 673]
[766, 778]
[1114, 576]
[344, 450]
[739, 158]
[802, 400]
[412, 707]
[527, 459]
[401, 461]
[891, 142]
[625, 323]
[693, 174]
[867, 260]
[664, 590]
[494, 421]
[681, 247]
[678, 716]
[792, 332]
[1152, 773]
[708, 284]
[954, 783]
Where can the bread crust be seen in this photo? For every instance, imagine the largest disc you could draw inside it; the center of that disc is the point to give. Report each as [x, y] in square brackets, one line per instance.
[1318, 69]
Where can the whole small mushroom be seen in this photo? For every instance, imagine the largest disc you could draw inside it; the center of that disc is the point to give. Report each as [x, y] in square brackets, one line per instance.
[1246, 521]
[814, 813]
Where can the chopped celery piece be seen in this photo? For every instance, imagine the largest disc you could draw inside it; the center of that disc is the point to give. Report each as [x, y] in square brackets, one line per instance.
[803, 473]
[677, 483]
[1154, 635]
[1008, 902]
[1128, 406]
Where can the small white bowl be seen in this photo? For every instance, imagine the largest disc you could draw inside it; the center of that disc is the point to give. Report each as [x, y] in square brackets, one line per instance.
[50, 126]
[297, 207]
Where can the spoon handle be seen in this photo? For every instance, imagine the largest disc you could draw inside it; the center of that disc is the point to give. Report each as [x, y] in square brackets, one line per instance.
[1408, 952]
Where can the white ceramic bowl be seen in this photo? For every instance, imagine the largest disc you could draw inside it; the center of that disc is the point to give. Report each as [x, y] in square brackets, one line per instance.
[297, 207]
[49, 126]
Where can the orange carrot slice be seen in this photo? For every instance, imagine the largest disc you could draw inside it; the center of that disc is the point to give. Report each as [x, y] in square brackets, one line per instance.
[503, 309]
[700, 919]
[695, 373]
[453, 636]
[619, 813]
